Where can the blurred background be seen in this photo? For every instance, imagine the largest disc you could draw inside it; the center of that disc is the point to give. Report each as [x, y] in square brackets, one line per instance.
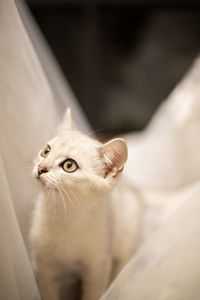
[121, 58]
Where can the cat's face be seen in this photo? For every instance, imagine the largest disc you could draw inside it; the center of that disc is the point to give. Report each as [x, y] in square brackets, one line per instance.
[75, 163]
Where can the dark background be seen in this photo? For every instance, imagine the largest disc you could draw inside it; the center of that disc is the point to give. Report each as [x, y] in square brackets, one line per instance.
[122, 58]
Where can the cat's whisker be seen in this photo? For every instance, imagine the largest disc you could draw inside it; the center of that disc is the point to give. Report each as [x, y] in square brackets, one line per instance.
[52, 201]
[53, 180]
[64, 204]
[28, 170]
[30, 162]
[95, 131]
[28, 167]
[54, 205]
[76, 203]
[71, 201]
[75, 197]
[48, 196]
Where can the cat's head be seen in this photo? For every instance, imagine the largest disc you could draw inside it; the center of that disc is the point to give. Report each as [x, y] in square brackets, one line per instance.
[76, 163]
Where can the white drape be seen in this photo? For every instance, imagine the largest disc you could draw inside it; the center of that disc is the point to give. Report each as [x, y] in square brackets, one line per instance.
[30, 109]
[165, 156]
[167, 267]
[16, 278]
[166, 153]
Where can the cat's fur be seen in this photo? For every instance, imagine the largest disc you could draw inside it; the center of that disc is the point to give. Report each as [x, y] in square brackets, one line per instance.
[81, 221]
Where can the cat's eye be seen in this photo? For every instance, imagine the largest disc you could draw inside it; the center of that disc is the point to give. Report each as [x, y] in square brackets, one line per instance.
[69, 165]
[46, 151]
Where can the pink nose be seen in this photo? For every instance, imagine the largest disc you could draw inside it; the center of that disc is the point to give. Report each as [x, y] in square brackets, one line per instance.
[42, 170]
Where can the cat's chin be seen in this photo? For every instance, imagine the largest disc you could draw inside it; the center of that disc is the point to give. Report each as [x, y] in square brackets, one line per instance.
[41, 181]
[44, 184]
[44, 187]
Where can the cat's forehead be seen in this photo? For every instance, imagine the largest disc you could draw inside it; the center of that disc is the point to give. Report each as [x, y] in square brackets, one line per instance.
[73, 142]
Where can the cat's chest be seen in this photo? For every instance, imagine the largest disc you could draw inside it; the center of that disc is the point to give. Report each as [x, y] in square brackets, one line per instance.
[68, 236]
[72, 230]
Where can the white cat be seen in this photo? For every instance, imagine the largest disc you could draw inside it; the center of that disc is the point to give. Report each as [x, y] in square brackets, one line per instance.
[81, 222]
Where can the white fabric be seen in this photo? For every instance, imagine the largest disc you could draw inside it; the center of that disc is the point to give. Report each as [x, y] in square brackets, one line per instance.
[16, 278]
[168, 266]
[60, 87]
[164, 156]
[28, 117]
[166, 153]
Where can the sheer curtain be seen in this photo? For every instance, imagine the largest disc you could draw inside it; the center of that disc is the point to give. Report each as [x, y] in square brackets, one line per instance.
[166, 153]
[167, 267]
[165, 156]
[33, 95]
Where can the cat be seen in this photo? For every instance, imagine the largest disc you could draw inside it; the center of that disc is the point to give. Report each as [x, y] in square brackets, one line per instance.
[81, 222]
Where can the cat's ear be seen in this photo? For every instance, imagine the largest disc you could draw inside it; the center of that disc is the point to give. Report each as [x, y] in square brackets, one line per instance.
[67, 122]
[115, 154]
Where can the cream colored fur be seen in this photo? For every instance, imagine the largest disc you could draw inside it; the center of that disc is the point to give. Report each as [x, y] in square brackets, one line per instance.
[82, 220]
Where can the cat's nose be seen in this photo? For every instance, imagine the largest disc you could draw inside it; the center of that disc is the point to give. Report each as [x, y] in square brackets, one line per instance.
[41, 170]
